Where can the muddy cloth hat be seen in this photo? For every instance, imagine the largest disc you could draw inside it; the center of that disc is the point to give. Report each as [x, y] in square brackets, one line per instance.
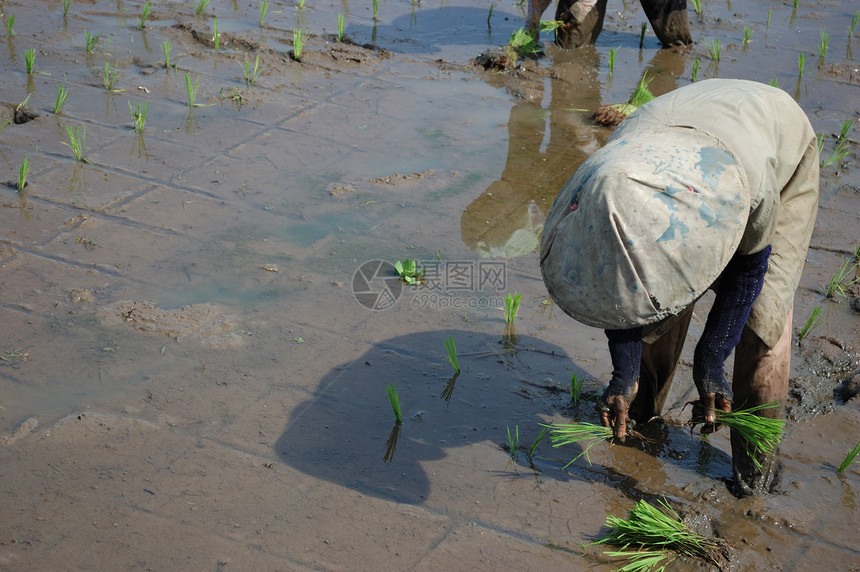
[644, 227]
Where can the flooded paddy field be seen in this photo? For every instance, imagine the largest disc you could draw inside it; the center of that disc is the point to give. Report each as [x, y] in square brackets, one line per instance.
[198, 324]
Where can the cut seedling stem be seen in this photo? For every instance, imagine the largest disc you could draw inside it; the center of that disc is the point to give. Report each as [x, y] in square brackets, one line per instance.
[90, 41]
[29, 58]
[512, 306]
[395, 402]
[77, 142]
[514, 443]
[109, 78]
[22, 173]
[587, 434]
[147, 9]
[252, 75]
[62, 95]
[762, 434]
[842, 280]
[138, 115]
[813, 321]
[264, 7]
[451, 350]
[849, 458]
[298, 42]
[166, 46]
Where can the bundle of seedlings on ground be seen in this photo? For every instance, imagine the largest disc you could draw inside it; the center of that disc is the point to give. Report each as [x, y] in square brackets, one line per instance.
[762, 434]
[586, 434]
[613, 114]
[652, 532]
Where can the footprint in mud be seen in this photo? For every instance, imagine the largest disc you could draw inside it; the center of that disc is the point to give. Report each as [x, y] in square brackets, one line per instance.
[205, 324]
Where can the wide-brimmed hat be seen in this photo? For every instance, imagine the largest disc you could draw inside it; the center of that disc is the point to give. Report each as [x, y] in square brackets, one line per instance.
[644, 227]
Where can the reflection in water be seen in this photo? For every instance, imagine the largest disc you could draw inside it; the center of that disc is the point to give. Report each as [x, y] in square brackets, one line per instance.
[549, 136]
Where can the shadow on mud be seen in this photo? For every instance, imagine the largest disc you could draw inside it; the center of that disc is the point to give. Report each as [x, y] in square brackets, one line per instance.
[346, 433]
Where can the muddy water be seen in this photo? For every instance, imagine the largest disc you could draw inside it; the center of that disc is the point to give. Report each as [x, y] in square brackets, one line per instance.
[188, 381]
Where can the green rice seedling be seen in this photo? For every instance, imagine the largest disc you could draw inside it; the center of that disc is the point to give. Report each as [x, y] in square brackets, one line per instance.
[714, 50]
[5, 124]
[801, 64]
[642, 36]
[813, 321]
[191, 90]
[23, 104]
[490, 13]
[696, 63]
[762, 434]
[66, 5]
[652, 529]
[842, 280]
[166, 47]
[540, 437]
[77, 142]
[147, 10]
[340, 27]
[512, 306]
[823, 43]
[747, 34]
[697, 4]
[216, 37]
[109, 77]
[855, 18]
[849, 458]
[395, 402]
[820, 139]
[794, 6]
[62, 95]
[90, 41]
[521, 44]
[10, 23]
[846, 127]
[576, 387]
[22, 173]
[612, 54]
[767, 26]
[773, 82]
[514, 443]
[29, 59]
[298, 44]
[375, 9]
[409, 272]
[586, 434]
[264, 7]
[138, 115]
[451, 350]
[642, 560]
[252, 75]
[550, 25]
[301, 4]
[839, 151]
[201, 6]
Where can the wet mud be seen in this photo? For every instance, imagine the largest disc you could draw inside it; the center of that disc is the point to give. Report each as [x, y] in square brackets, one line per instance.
[188, 381]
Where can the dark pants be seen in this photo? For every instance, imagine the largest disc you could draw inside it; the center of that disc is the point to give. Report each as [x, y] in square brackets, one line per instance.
[760, 376]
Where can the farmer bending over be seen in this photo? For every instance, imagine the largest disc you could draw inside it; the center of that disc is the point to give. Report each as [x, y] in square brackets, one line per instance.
[711, 186]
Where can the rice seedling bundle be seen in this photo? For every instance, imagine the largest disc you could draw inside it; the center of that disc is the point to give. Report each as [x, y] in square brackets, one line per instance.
[762, 434]
[586, 434]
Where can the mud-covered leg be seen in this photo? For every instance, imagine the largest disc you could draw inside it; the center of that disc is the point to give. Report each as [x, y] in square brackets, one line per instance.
[536, 9]
[583, 21]
[760, 376]
[669, 20]
[659, 361]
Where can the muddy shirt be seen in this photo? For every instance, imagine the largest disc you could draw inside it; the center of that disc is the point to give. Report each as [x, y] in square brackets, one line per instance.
[640, 250]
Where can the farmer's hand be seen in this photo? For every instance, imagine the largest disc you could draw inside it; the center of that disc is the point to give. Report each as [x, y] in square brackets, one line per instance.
[613, 407]
[708, 402]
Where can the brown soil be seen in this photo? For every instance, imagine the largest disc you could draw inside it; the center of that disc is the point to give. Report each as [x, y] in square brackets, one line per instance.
[188, 382]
